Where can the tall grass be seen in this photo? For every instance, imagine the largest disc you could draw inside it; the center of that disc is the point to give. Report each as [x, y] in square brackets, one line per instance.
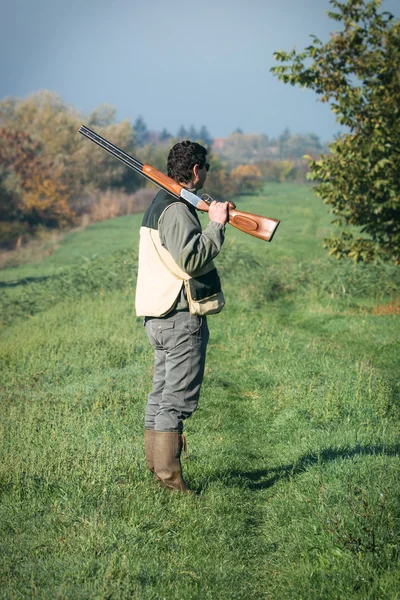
[114, 203]
[294, 451]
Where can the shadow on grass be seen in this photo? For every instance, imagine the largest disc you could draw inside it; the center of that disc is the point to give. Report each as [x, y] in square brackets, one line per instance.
[263, 479]
[25, 281]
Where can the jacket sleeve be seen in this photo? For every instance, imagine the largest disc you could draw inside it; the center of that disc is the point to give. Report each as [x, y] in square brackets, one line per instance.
[191, 247]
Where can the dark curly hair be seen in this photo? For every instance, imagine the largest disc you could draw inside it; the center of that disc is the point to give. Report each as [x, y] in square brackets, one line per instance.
[183, 157]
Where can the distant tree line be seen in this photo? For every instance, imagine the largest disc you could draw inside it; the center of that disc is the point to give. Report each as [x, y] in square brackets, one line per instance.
[239, 147]
[50, 176]
[144, 136]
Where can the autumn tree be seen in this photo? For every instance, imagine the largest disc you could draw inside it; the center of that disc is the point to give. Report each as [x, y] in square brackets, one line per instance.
[16, 154]
[31, 189]
[219, 184]
[247, 179]
[281, 171]
[357, 72]
[48, 172]
[46, 118]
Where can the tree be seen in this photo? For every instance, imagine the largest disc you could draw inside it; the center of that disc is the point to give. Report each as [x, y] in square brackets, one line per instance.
[45, 118]
[141, 131]
[297, 145]
[357, 71]
[19, 159]
[31, 187]
[283, 142]
[247, 179]
[280, 171]
[102, 116]
[205, 137]
[165, 135]
[219, 184]
[182, 133]
[242, 148]
[47, 170]
[193, 135]
[155, 155]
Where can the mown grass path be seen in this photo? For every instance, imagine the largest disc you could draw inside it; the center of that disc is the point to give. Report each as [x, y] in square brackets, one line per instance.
[294, 450]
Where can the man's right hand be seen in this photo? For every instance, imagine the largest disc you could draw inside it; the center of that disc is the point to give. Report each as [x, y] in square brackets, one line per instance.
[218, 212]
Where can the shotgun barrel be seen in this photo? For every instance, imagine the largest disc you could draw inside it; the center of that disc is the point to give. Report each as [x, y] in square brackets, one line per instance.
[128, 160]
[261, 227]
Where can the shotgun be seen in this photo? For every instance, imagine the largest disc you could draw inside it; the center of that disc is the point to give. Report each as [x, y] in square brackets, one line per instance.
[260, 227]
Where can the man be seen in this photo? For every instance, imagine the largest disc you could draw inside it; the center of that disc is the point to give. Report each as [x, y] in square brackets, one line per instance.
[177, 287]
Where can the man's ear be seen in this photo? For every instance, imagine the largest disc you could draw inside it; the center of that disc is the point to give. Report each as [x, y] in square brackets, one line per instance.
[196, 178]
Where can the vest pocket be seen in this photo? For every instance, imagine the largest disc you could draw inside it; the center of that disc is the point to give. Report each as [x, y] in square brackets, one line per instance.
[204, 286]
[208, 306]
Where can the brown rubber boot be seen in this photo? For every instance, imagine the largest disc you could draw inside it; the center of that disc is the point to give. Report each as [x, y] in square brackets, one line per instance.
[148, 448]
[167, 465]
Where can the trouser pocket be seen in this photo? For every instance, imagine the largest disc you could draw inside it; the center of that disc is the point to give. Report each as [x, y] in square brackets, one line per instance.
[159, 332]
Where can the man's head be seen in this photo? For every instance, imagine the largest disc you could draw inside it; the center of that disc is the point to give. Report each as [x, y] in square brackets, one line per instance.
[187, 164]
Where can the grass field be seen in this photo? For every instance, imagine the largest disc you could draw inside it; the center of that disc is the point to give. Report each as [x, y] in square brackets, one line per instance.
[294, 450]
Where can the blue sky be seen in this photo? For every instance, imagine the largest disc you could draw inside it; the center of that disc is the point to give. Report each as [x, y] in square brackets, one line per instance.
[173, 62]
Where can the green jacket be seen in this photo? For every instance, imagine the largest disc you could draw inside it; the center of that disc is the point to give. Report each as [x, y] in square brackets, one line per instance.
[176, 268]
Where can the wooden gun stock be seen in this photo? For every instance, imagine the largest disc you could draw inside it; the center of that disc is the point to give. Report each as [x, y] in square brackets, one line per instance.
[256, 225]
[261, 227]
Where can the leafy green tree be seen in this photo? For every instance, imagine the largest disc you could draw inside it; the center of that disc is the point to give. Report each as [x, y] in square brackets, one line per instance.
[357, 72]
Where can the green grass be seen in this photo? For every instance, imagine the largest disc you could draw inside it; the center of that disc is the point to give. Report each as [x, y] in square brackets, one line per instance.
[294, 450]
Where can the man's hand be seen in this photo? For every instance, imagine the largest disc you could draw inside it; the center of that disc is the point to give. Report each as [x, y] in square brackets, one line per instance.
[218, 212]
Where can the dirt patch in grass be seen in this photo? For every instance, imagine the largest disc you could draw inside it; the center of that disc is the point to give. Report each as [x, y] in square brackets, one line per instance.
[391, 308]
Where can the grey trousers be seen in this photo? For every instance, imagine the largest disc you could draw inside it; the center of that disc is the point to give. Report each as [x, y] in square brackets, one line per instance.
[179, 344]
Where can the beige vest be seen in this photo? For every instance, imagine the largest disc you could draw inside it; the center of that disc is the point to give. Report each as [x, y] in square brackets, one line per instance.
[160, 280]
